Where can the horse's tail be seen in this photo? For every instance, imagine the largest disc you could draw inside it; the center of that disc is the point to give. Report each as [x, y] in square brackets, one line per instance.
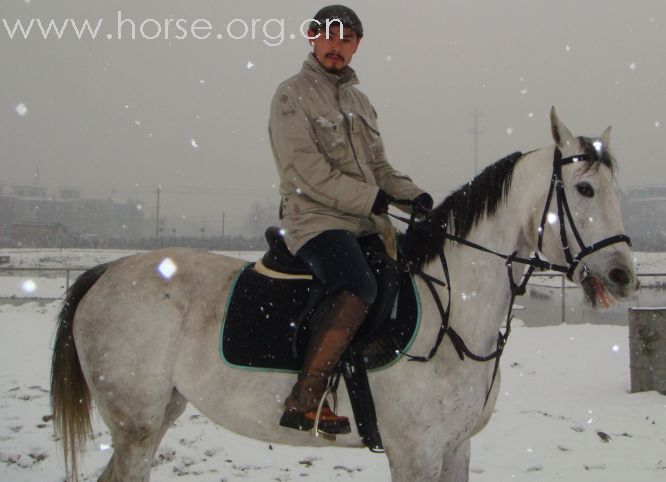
[70, 397]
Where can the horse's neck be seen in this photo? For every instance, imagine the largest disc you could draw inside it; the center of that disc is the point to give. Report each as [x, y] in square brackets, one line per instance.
[480, 288]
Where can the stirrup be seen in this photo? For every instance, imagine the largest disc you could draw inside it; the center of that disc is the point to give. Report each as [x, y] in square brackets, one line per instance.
[315, 430]
[313, 423]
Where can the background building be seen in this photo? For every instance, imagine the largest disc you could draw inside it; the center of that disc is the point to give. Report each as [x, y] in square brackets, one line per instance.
[32, 216]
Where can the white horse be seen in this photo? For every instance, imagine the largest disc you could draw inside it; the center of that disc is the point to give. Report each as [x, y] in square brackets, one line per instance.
[142, 345]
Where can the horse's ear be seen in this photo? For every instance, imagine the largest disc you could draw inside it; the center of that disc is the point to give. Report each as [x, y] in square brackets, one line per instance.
[605, 137]
[562, 136]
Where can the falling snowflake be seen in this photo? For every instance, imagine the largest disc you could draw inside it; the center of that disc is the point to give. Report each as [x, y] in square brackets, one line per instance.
[389, 58]
[523, 92]
[167, 268]
[194, 143]
[249, 64]
[657, 123]
[29, 286]
[632, 66]
[509, 131]
[21, 109]
[615, 348]
[552, 218]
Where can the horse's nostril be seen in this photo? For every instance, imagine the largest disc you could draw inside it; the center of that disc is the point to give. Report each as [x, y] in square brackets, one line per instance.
[620, 277]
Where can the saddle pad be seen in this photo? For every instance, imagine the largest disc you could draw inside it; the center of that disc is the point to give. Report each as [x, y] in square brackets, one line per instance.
[262, 313]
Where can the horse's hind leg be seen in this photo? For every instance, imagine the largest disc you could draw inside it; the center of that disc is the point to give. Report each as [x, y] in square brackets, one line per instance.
[137, 436]
[133, 449]
[174, 409]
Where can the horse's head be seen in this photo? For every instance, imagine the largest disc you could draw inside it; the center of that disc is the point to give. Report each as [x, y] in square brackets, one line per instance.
[583, 226]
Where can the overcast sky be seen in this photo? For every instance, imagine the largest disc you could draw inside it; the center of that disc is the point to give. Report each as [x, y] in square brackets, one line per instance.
[122, 116]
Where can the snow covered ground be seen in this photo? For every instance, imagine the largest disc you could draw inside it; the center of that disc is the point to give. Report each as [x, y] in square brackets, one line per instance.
[565, 413]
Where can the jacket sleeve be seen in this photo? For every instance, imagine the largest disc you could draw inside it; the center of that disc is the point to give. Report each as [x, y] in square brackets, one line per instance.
[398, 185]
[300, 161]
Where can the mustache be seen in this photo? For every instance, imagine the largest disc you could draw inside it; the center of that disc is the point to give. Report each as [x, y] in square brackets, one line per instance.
[333, 56]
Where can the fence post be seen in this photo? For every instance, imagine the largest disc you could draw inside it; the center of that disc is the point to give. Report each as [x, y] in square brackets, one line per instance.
[564, 304]
[647, 349]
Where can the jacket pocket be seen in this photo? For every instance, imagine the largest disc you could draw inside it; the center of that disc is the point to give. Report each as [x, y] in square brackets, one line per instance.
[371, 124]
[331, 135]
[372, 135]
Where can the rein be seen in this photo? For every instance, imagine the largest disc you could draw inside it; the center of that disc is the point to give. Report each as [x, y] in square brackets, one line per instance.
[516, 288]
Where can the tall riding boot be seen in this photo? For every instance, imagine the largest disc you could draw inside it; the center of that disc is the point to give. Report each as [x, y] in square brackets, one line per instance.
[331, 334]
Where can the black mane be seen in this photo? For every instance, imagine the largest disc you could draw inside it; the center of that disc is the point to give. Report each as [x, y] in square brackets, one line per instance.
[464, 208]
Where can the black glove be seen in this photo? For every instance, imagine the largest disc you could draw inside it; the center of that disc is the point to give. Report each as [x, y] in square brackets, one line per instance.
[423, 203]
[381, 204]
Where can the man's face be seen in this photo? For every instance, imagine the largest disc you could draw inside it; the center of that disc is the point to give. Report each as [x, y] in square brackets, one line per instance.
[332, 52]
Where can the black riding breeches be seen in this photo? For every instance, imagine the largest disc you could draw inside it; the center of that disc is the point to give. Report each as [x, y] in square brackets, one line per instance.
[336, 259]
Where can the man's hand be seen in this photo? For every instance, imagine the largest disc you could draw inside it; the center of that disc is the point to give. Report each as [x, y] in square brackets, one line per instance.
[423, 203]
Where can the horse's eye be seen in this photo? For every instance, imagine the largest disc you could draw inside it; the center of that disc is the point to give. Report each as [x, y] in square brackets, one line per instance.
[585, 189]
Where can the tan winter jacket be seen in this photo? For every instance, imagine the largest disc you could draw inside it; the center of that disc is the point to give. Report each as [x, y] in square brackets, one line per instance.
[330, 156]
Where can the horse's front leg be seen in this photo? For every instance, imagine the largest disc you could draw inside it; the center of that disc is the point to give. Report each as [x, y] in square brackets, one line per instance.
[455, 464]
[413, 458]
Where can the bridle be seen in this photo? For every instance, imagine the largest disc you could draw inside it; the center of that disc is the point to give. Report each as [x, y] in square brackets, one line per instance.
[556, 183]
[516, 288]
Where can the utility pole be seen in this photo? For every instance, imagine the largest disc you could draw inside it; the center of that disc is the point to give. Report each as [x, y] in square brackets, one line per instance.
[157, 217]
[476, 131]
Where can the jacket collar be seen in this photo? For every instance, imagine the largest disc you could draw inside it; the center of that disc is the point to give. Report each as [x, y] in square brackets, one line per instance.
[346, 77]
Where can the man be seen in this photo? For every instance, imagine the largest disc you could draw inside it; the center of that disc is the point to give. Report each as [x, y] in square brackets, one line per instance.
[335, 186]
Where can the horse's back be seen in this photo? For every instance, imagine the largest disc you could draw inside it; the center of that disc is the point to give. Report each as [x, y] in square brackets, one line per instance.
[168, 274]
